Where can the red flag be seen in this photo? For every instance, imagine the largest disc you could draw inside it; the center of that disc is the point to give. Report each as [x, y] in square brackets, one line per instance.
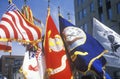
[5, 46]
[56, 60]
[14, 26]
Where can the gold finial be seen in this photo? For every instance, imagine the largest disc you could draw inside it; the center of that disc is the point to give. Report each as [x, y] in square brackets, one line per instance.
[9, 1]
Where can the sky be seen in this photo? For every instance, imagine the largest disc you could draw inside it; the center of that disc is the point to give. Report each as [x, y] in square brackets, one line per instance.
[39, 9]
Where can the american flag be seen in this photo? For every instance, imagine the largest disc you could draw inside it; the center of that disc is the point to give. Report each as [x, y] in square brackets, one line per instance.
[14, 26]
[6, 46]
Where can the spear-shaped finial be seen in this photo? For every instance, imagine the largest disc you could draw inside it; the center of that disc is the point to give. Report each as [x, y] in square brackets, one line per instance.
[48, 6]
[58, 10]
[9, 1]
[48, 3]
[69, 16]
[25, 1]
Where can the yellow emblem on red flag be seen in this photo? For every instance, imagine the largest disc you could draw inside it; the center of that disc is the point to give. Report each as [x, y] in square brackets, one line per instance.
[56, 59]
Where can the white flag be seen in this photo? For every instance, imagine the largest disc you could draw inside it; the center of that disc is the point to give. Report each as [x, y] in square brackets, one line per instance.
[30, 67]
[108, 38]
[41, 61]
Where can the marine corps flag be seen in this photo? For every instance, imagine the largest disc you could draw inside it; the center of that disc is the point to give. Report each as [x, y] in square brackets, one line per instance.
[86, 52]
[56, 60]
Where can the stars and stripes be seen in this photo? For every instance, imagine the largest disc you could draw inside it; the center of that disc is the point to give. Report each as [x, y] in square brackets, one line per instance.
[14, 26]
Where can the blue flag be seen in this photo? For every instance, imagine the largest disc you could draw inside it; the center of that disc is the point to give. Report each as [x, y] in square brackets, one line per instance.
[85, 51]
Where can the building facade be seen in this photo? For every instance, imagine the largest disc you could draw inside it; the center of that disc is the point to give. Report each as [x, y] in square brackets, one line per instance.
[106, 11]
[11, 65]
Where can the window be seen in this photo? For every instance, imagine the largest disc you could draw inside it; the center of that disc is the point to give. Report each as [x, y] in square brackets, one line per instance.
[101, 17]
[118, 8]
[109, 13]
[78, 2]
[108, 4]
[107, 0]
[84, 13]
[82, 1]
[85, 27]
[91, 7]
[81, 27]
[100, 3]
[80, 15]
[17, 62]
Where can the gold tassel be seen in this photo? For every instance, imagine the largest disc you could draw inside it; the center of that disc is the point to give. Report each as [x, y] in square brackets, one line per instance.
[27, 12]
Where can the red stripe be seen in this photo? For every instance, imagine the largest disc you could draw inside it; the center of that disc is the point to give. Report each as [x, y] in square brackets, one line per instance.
[38, 52]
[13, 27]
[5, 30]
[5, 47]
[36, 28]
[29, 34]
[14, 20]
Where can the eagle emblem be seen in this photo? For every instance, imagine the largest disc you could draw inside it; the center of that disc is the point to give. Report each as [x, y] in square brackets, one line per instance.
[73, 37]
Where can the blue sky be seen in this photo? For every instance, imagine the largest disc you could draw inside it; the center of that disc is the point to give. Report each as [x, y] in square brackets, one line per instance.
[39, 8]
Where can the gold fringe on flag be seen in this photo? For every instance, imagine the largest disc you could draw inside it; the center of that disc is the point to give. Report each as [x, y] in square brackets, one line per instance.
[27, 12]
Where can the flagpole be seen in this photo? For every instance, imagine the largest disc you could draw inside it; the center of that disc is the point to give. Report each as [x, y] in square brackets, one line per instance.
[48, 8]
[68, 56]
[10, 67]
[48, 3]
[58, 9]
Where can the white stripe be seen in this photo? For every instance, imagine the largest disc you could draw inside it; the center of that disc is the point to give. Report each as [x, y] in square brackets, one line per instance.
[5, 43]
[8, 26]
[62, 67]
[2, 33]
[10, 18]
[32, 30]
[19, 25]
